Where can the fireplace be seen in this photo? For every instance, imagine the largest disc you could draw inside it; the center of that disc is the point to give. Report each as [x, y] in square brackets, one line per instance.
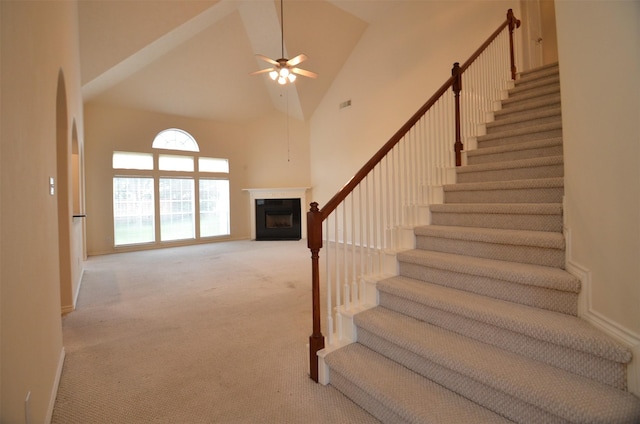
[277, 193]
[278, 219]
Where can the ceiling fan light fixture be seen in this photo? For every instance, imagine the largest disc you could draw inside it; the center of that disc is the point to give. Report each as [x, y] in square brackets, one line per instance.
[283, 69]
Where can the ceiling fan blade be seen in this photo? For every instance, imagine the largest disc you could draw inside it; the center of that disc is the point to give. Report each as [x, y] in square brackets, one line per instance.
[262, 71]
[304, 73]
[296, 60]
[267, 59]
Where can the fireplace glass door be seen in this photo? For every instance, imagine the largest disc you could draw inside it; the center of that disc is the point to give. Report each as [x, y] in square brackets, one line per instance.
[278, 219]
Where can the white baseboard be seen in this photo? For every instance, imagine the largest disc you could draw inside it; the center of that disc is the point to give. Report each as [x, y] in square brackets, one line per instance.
[54, 389]
[602, 322]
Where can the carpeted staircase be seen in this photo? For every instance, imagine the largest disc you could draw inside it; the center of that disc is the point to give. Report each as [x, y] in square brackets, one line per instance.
[481, 324]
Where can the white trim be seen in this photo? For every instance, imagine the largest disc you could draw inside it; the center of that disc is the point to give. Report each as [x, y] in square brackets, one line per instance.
[67, 309]
[615, 330]
[77, 293]
[70, 308]
[54, 389]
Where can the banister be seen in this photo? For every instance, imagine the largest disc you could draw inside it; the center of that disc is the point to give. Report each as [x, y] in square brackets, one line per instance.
[331, 205]
[316, 217]
[512, 23]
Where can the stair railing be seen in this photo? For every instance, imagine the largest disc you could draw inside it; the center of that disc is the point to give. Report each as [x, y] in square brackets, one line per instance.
[366, 222]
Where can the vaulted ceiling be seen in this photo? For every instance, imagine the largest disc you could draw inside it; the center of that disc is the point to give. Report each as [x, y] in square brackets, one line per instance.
[193, 57]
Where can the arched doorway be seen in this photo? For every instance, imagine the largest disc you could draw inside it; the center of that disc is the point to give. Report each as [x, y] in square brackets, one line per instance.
[64, 198]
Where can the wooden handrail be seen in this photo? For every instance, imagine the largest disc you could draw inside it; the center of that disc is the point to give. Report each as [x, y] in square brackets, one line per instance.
[333, 203]
[510, 22]
[315, 216]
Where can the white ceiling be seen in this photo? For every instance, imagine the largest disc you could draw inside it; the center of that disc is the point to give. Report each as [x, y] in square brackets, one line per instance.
[193, 57]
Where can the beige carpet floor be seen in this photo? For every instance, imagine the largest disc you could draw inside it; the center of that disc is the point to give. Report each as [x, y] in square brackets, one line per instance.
[213, 333]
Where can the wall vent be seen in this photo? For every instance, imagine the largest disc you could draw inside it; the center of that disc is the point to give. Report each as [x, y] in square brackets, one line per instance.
[344, 104]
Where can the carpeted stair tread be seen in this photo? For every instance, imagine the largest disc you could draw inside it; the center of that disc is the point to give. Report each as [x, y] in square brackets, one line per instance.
[526, 96]
[553, 110]
[537, 73]
[548, 190]
[518, 273]
[528, 130]
[519, 216]
[500, 208]
[532, 289]
[528, 106]
[515, 164]
[511, 152]
[564, 394]
[556, 182]
[499, 236]
[522, 85]
[541, 115]
[505, 148]
[412, 398]
[525, 246]
[552, 327]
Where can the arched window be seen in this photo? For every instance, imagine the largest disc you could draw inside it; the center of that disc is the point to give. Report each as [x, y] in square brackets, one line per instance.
[173, 195]
[175, 139]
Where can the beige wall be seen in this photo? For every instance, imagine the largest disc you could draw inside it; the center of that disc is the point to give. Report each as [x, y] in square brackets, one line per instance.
[599, 67]
[259, 157]
[397, 65]
[38, 40]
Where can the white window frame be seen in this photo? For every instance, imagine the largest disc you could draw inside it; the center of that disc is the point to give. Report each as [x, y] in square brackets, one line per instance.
[221, 165]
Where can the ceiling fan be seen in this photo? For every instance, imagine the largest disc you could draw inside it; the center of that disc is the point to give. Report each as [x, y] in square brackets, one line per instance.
[284, 70]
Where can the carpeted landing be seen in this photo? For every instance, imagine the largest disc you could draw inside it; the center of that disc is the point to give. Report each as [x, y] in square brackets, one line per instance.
[213, 333]
[481, 324]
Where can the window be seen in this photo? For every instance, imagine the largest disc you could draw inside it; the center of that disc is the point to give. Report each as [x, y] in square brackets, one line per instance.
[177, 219]
[133, 217]
[175, 139]
[128, 160]
[214, 207]
[166, 197]
[175, 163]
[213, 165]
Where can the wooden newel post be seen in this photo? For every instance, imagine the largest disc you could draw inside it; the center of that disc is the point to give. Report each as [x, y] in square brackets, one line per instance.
[457, 87]
[314, 242]
[513, 24]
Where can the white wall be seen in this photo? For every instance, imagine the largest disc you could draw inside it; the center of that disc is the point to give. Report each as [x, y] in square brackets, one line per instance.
[397, 65]
[38, 40]
[600, 68]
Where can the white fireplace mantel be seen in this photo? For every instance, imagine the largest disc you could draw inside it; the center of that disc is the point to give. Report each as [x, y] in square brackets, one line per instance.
[278, 193]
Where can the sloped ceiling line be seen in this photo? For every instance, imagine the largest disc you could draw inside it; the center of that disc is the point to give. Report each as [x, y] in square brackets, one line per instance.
[158, 48]
[193, 59]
